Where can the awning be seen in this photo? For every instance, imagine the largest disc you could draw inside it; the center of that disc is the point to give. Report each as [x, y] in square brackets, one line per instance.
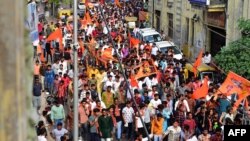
[216, 8]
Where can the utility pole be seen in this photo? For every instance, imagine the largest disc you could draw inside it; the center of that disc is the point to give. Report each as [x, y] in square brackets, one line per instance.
[153, 14]
[75, 45]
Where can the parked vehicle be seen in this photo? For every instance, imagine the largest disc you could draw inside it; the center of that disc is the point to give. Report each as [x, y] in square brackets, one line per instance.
[203, 70]
[149, 35]
[164, 46]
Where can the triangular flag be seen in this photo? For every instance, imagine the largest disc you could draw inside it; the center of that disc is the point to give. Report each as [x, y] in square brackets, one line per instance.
[134, 42]
[107, 54]
[117, 3]
[133, 81]
[202, 91]
[87, 18]
[197, 63]
[57, 34]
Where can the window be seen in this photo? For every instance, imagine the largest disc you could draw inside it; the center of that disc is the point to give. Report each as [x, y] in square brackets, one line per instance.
[187, 30]
[192, 41]
[152, 38]
[170, 25]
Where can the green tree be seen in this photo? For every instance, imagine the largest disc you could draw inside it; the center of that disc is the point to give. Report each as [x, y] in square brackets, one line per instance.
[236, 56]
[57, 2]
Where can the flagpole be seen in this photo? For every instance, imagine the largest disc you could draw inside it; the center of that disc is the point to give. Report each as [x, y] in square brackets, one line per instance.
[75, 124]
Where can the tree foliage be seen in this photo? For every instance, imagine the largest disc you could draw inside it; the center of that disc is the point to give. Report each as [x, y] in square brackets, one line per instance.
[244, 26]
[57, 2]
[235, 57]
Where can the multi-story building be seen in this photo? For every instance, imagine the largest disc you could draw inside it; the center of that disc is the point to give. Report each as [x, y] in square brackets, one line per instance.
[196, 24]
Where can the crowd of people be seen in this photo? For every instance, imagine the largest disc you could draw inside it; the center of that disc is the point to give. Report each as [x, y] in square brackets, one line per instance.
[160, 96]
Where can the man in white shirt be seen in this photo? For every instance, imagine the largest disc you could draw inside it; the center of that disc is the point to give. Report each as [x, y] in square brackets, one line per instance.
[59, 132]
[63, 71]
[207, 58]
[155, 102]
[41, 135]
[184, 101]
[109, 82]
[64, 63]
[154, 50]
[173, 132]
[128, 118]
[55, 67]
[117, 83]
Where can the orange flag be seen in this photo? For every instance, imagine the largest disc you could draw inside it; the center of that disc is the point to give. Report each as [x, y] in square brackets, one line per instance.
[202, 91]
[133, 81]
[134, 41]
[87, 18]
[234, 84]
[86, 3]
[117, 2]
[57, 34]
[107, 54]
[197, 63]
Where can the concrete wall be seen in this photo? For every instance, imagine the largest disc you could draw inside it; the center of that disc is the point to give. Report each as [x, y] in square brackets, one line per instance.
[234, 12]
[15, 75]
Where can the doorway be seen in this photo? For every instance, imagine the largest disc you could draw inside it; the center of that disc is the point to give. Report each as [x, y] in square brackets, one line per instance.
[158, 20]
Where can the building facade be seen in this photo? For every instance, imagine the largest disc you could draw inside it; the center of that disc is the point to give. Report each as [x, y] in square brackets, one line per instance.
[196, 24]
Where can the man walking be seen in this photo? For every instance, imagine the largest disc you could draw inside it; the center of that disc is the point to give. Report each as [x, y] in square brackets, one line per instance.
[37, 91]
[105, 126]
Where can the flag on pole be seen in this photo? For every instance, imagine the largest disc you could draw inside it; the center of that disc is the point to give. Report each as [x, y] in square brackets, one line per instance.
[197, 63]
[117, 3]
[56, 35]
[234, 84]
[201, 91]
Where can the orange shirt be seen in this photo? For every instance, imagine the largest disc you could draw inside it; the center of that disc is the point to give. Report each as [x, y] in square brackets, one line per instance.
[36, 69]
[157, 126]
[83, 117]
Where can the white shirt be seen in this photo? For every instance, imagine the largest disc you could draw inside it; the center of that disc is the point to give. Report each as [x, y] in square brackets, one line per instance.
[116, 85]
[71, 73]
[154, 50]
[62, 71]
[64, 63]
[148, 83]
[155, 103]
[154, 81]
[59, 133]
[185, 104]
[42, 138]
[173, 133]
[128, 114]
[207, 59]
[55, 68]
[89, 31]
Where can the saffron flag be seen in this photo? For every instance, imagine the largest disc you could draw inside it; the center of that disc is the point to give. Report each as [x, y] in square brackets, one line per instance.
[117, 3]
[197, 63]
[201, 91]
[86, 3]
[87, 18]
[134, 42]
[234, 84]
[133, 81]
[56, 35]
[107, 54]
